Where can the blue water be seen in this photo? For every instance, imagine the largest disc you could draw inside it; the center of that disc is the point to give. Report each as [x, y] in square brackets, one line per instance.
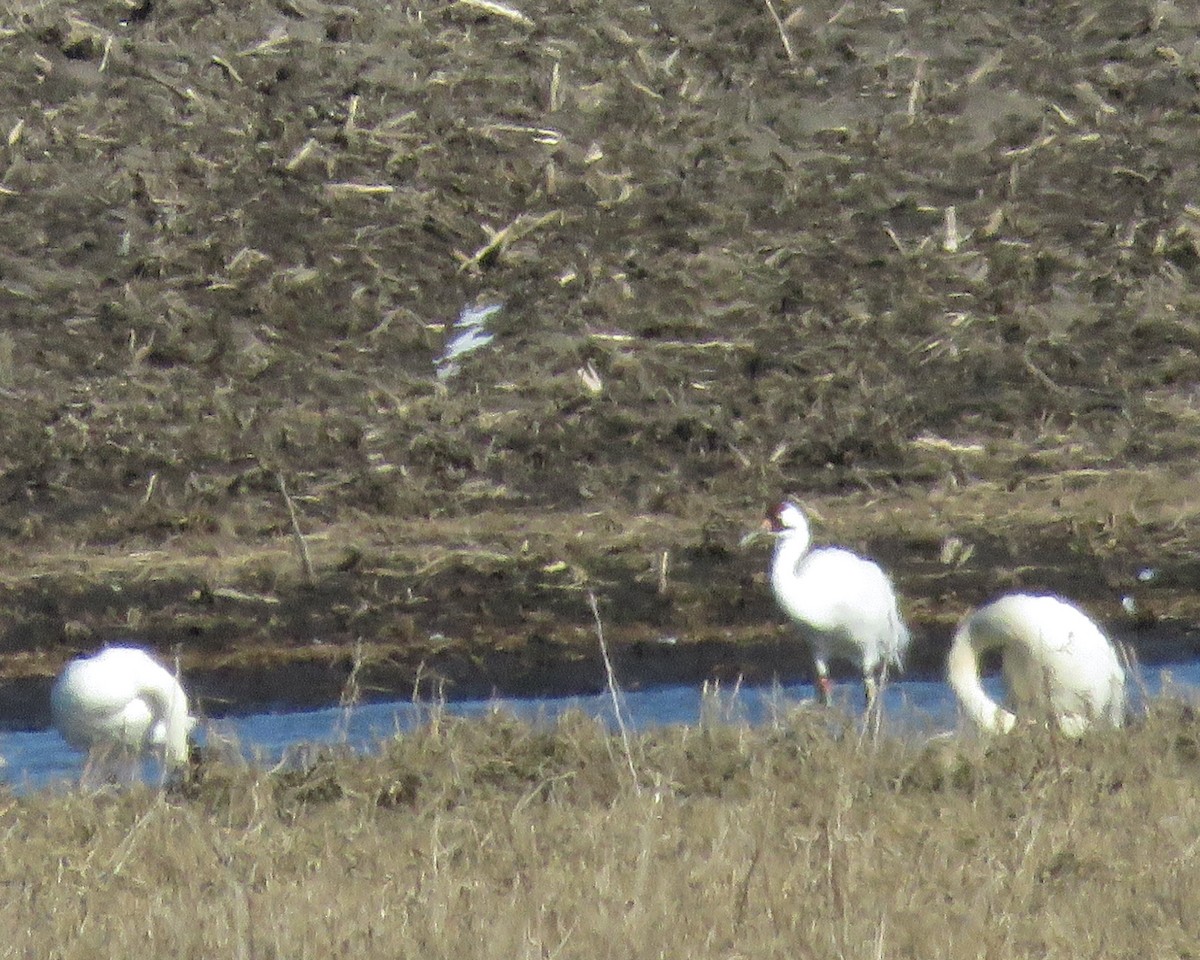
[911, 707]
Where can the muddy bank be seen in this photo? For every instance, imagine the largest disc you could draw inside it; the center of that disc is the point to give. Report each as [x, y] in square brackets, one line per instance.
[502, 612]
[637, 665]
[328, 678]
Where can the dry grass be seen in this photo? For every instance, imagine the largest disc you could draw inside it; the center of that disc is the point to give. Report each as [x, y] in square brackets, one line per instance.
[494, 839]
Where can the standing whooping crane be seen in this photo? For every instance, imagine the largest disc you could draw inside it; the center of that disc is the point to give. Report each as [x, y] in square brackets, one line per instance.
[122, 699]
[1059, 666]
[844, 604]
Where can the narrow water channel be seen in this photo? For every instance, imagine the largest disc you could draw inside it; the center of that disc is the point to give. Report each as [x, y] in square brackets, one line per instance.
[917, 708]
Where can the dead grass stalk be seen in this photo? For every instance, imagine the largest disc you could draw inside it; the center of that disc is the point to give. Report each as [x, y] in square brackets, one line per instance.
[614, 694]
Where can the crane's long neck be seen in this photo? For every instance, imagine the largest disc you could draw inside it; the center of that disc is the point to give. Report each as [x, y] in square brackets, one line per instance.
[790, 548]
[171, 707]
[963, 670]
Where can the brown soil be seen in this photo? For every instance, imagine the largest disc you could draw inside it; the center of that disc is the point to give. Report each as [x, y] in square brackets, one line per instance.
[932, 268]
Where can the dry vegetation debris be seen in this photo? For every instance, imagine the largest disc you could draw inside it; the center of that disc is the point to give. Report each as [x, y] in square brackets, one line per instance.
[914, 252]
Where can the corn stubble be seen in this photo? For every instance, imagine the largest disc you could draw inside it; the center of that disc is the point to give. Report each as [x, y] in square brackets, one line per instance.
[932, 266]
[499, 839]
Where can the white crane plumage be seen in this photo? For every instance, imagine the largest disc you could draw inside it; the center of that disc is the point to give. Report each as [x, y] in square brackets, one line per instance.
[122, 699]
[1058, 666]
[844, 604]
